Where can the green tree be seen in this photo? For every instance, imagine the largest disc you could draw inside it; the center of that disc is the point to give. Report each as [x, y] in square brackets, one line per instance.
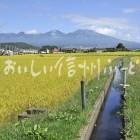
[49, 47]
[121, 47]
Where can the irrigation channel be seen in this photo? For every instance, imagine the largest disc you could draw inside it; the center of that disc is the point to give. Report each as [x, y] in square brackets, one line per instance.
[110, 124]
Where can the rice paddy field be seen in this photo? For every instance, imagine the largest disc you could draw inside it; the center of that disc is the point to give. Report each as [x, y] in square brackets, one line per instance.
[51, 81]
[44, 81]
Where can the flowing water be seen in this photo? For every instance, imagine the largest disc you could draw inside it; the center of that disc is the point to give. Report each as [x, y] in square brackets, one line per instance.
[109, 124]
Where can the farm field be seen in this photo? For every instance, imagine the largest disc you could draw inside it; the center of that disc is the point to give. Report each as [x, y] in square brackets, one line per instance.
[51, 82]
[57, 88]
[63, 123]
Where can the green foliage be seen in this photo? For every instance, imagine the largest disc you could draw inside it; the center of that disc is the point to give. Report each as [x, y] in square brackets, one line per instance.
[132, 107]
[121, 47]
[19, 45]
[36, 133]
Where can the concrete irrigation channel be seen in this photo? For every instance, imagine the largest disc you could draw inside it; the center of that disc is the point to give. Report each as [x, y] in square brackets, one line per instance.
[106, 122]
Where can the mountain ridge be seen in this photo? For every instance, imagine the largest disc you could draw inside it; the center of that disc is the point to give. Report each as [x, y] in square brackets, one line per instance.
[77, 39]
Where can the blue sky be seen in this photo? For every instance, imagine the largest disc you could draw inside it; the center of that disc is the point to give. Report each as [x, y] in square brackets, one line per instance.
[118, 18]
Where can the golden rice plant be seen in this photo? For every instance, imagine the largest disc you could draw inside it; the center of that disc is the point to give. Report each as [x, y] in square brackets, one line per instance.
[20, 90]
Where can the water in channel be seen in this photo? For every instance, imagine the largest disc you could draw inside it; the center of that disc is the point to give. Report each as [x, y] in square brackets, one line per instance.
[109, 123]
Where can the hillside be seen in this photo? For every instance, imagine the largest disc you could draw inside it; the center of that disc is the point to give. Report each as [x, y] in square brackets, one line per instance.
[18, 45]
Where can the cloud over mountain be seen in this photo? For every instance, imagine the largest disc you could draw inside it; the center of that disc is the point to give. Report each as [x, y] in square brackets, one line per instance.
[116, 27]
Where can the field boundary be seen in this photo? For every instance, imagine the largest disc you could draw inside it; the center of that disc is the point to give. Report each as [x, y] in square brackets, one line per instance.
[86, 132]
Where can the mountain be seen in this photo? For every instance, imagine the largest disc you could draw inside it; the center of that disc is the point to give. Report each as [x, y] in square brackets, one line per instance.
[79, 39]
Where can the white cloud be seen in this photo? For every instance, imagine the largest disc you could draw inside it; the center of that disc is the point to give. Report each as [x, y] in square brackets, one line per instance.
[116, 27]
[33, 31]
[131, 10]
[106, 31]
[92, 23]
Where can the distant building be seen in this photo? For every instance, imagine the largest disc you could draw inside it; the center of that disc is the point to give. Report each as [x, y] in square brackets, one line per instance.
[110, 49]
[43, 52]
[8, 53]
[55, 50]
[28, 51]
[100, 50]
[47, 51]
[69, 50]
[1, 51]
